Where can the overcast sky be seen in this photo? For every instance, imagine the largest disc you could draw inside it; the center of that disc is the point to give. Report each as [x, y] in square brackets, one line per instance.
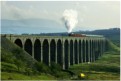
[91, 14]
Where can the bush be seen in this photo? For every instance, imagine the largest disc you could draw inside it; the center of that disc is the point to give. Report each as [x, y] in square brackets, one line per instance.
[62, 75]
[19, 64]
[41, 67]
[57, 71]
[28, 71]
[55, 67]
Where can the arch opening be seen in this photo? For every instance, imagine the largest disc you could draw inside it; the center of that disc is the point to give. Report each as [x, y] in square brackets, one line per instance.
[71, 53]
[96, 48]
[66, 54]
[93, 52]
[90, 51]
[46, 52]
[99, 49]
[19, 43]
[53, 51]
[28, 46]
[37, 50]
[83, 50]
[75, 52]
[59, 52]
[87, 48]
[80, 55]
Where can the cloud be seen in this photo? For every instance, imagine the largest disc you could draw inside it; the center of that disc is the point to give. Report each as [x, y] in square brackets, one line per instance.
[99, 14]
[13, 12]
[10, 11]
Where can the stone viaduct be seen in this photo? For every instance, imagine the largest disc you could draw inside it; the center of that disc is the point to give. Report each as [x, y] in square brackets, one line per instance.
[63, 50]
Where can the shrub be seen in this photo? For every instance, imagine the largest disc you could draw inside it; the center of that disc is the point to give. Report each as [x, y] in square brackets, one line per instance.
[41, 67]
[28, 71]
[62, 75]
[55, 67]
[19, 64]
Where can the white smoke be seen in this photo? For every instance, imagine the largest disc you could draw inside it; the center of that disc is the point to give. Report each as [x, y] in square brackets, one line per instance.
[70, 19]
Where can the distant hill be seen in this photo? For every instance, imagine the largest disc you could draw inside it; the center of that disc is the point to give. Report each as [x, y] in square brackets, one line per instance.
[113, 34]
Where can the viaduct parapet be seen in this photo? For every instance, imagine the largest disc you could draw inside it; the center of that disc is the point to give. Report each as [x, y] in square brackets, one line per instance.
[63, 50]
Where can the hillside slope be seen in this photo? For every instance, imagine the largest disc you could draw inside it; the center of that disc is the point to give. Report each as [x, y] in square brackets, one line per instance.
[14, 59]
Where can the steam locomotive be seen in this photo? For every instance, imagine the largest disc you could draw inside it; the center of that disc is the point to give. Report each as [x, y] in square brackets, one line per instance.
[76, 35]
[83, 35]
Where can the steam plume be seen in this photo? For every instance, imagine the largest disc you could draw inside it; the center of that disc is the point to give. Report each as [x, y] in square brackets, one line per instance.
[70, 19]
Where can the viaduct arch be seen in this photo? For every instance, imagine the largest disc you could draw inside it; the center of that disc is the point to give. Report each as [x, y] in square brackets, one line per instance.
[46, 52]
[19, 43]
[53, 51]
[65, 51]
[71, 52]
[28, 46]
[37, 50]
[59, 52]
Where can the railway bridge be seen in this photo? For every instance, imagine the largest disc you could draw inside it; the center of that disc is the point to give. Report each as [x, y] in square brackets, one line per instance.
[63, 50]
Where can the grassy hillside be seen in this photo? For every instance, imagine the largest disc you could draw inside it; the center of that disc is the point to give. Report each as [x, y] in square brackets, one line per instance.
[112, 46]
[11, 53]
[14, 59]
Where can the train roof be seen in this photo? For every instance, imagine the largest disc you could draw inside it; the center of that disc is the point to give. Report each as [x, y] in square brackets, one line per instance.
[90, 35]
